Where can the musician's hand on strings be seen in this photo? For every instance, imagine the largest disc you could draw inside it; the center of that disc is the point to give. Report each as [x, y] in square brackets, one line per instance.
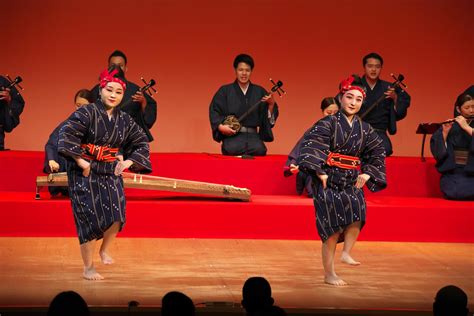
[139, 97]
[294, 169]
[53, 166]
[270, 100]
[391, 94]
[5, 95]
[324, 179]
[226, 130]
[361, 180]
[121, 166]
[84, 165]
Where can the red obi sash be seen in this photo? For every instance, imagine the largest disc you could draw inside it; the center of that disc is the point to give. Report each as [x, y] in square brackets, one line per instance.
[342, 161]
[99, 153]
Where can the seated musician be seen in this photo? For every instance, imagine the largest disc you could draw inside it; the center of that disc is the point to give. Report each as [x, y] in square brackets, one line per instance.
[235, 99]
[143, 107]
[329, 106]
[53, 162]
[383, 117]
[11, 106]
[452, 146]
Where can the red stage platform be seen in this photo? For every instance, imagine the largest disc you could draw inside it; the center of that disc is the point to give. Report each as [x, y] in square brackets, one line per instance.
[411, 209]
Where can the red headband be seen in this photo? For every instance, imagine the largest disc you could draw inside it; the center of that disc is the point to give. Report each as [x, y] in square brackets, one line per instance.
[346, 85]
[106, 77]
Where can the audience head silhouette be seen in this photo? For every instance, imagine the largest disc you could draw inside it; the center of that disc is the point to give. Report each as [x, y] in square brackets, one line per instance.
[450, 300]
[256, 295]
[177, 304]
[68, 303]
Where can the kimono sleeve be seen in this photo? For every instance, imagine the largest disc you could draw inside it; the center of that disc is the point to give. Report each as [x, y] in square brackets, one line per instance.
[217, 113]
[136, 148]
[267, 123]
[73, 132]
[13, 110]
[315, 147]
[149, 115]
[373, 161]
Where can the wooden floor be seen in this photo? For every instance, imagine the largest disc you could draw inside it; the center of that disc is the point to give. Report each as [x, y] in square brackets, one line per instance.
[392, 275]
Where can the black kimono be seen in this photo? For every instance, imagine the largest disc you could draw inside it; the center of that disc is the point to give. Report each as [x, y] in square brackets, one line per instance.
[230, 99]
[457, 180]
[98, 200]
[144, 119]
[9, 113]
[384, 117]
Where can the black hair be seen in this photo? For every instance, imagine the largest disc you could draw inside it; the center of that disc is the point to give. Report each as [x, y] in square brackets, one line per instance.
[68, 303]
[450, 300]
[460, 100]
[372, 55]
[177, 303]
[327, 102]
[244, 58]
[118, 53]
[85, 94]
[256, 294]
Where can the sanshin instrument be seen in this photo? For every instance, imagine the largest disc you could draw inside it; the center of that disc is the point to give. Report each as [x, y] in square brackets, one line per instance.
[234, 122]
[397, 83]
[139, 181]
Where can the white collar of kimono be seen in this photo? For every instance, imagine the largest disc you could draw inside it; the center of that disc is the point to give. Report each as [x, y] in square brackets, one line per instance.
[244, 89]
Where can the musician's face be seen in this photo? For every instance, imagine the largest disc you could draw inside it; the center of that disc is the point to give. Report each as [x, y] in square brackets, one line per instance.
[243, 72]
[467, 109]
[331, 109]
[112, 94]
[80, 102]
[351, 102]
[118, 61]
[372, 68]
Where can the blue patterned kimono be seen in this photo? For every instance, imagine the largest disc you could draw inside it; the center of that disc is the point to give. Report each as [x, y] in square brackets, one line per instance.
[98, 200]
[341, 203]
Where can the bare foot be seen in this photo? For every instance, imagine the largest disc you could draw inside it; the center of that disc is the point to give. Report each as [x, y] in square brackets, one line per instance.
[346, 258]
[334, 280]
[91, 274]
[106, 259]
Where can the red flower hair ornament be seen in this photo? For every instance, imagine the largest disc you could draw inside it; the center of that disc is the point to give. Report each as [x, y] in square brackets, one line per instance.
[346, 85]
[106, 77]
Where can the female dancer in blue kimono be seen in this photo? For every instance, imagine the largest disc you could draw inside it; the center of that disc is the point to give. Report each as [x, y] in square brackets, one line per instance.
[342, 154]
[91, 138]
[452, 146]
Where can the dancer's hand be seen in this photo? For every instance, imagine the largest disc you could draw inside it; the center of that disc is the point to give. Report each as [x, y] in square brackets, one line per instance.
[53, 166]
[121, 166]
[361, 180]
[294, 169]
[324, 179]
[84, 165]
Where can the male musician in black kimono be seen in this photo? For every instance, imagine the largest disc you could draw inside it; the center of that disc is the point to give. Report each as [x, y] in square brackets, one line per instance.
[143, 108]
[235, 99]
[393, 108]
[11, 106]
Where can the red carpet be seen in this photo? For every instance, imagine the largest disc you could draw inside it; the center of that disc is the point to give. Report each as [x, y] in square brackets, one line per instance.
[412, 209]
